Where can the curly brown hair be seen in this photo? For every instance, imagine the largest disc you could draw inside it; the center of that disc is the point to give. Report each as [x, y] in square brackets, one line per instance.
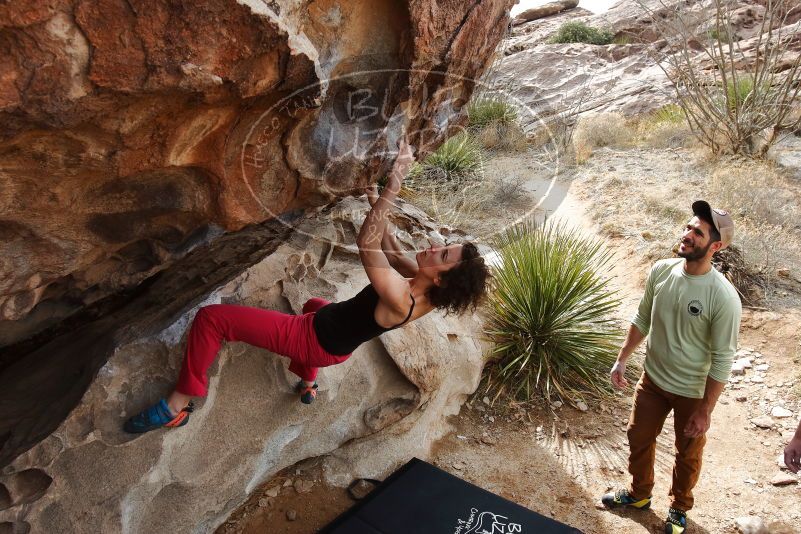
[462, 286]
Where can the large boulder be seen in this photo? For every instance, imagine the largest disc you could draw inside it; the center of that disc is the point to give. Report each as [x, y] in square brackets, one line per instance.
[143, 145]
[131, 131]
[385, 404]
[545, 10]
[576, 78]
[529, 35]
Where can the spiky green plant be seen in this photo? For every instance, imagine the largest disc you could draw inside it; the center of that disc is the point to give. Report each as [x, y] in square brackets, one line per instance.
[550, 316]
[457, 157]
[736, 93]
[490, 110]
[622, 39]
[670, 114]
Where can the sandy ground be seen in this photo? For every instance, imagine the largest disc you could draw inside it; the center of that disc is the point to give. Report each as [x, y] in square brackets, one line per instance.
[558, 463]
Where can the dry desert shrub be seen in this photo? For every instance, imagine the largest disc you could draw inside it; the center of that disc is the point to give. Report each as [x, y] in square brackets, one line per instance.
[453, 203]
[756, 192]
[649, 208]
[751, 284]
[665, 128]
[451, 184]
[595, 131]
[738, 96]
[493, 122]
[499, 136]
[579, 32]
[556, 125]
[470, 203]
[766, 206]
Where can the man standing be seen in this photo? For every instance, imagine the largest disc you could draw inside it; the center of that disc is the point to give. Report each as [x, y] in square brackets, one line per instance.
[691, 316]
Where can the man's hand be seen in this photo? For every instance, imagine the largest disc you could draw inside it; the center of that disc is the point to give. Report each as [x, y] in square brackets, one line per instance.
[618, 375]
[698, 424]
[792, 454]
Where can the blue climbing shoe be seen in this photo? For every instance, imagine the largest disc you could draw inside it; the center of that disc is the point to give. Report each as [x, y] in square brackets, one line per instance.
[157, 416]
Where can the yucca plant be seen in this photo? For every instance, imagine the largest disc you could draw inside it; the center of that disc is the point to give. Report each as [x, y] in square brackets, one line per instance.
[490, 110]
[550, 316]
[457, 157]
[670, 114]
[737, 91]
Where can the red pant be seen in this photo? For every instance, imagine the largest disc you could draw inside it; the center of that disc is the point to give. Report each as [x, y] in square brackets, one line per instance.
[288, 335]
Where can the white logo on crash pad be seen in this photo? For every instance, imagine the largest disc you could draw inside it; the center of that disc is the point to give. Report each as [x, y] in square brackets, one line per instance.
[486, 523]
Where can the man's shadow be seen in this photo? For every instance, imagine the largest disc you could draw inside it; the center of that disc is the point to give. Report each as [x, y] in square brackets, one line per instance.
[652, 522]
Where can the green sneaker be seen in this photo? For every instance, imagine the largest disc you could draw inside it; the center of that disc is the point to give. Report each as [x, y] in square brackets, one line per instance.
[676, 521]
[622, 498]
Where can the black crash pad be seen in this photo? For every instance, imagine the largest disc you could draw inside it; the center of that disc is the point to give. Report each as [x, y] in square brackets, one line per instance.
[421, 499]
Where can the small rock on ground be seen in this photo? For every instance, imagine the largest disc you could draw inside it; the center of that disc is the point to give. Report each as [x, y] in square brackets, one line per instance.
[780, 461]
[361, 489]
[763, 421]
[303, 486]
[488, 440]
[750, 525]
[779, 412]
[784, 479]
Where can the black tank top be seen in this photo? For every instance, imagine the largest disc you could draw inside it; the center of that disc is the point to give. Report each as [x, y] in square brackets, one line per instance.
[343, 326]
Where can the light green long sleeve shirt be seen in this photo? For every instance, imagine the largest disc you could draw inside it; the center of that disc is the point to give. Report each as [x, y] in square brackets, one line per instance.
[692, 323]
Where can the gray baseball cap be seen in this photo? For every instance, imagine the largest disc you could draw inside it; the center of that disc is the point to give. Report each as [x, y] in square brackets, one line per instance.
[720, 218]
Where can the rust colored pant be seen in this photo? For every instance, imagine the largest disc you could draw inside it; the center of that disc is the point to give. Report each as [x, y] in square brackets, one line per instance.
[292, 336]
[651, 407]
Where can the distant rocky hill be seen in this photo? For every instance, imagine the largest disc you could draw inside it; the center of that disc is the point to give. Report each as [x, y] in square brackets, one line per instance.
[621, 77]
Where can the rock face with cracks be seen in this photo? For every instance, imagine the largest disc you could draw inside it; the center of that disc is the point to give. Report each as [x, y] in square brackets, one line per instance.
[373, 412]
[155, 156]
[131, 131]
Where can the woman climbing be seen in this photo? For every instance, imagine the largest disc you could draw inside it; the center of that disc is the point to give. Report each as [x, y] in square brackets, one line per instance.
[451, 278]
